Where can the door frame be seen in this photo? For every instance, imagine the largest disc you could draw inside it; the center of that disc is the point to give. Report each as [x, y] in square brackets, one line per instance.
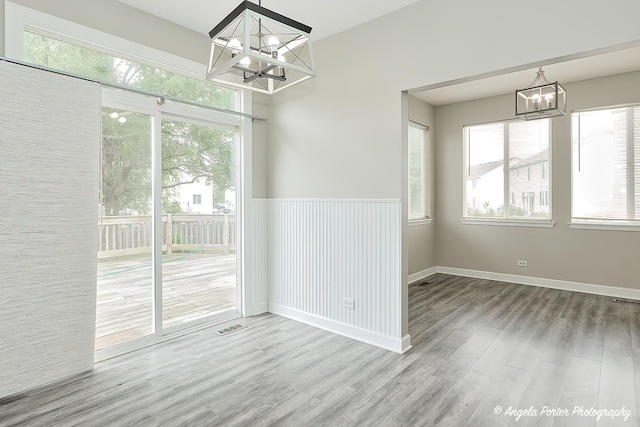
[112, 98]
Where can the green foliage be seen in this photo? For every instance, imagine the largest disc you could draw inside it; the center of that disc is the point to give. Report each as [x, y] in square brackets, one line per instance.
[517, 211]
[190, 152]
[487, 211]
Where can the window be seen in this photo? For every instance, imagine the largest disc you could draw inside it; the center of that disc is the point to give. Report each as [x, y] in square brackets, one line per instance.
[491, 184]
[544, 198]
[606, 164]
[417, 172]
[60, 55]
[197, 199]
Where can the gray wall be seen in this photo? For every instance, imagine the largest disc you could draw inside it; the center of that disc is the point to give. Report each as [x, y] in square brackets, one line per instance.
[340, 135]
[421, 238]
[260, 140]
[586, 256]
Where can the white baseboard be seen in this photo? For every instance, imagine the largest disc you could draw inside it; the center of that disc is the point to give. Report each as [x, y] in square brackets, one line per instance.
[397, 345]
[406, 343]
[260, 308]
[422, 274]
[612, 291]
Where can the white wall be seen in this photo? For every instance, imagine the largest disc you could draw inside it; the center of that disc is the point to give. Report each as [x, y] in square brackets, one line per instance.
[586, 256]
[339, 135]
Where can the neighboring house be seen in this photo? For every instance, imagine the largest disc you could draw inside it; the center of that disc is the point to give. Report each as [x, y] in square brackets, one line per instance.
[529, 190]
[529, 186]
[196, 198]
[482, 181]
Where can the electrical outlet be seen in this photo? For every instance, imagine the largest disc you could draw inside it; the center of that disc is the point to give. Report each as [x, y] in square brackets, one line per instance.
[348, 303]
[522, 263]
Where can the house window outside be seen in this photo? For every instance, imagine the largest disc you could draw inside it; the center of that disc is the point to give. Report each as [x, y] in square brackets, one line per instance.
[197, 199]
[606, 165]
[526, 146]
[544, 198]
[418, 136]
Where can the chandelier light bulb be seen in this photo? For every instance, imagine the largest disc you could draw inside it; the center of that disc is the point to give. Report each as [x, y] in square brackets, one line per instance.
[536, 100]
[549, 98]
[273, 42]
[235, 46]
[245, 62]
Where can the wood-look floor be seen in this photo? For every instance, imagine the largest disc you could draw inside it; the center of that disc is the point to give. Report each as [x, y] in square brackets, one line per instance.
[193, 286]
[477, 345]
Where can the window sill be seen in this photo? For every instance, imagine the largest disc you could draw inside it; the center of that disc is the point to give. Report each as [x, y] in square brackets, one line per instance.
[605, 225]
[508, 222]
[418, 222]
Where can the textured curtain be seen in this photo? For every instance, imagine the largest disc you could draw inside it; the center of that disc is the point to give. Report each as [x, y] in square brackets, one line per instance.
[49, 160]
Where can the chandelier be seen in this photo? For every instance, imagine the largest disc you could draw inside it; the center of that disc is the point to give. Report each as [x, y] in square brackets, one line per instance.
[256, 48]
[541, 99]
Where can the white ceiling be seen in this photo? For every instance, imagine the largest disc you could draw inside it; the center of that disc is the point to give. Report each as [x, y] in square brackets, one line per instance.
[326, 17]
[606, 64]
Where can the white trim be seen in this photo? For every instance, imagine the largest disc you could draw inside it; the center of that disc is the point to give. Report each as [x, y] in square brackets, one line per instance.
[406, 343]
[397, 345]
[19, 18]
[605, 225]
[260, 308]
[245, 291]
[419, 221]
[328, 200]
[587, 288]
[420, 275]
[508, 222]
[174, 332]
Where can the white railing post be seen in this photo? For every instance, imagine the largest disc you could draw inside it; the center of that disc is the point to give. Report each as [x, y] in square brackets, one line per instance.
[169, 232]
[226, 233]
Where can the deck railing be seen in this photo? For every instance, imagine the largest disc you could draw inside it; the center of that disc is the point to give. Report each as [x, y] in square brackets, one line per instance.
[131, 235]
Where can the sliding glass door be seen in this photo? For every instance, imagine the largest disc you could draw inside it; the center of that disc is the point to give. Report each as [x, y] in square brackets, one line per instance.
[199, 206]
[125, 282]
[167, 262]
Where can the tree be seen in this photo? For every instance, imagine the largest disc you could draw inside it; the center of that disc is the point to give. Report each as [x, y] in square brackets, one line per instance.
[189, 152]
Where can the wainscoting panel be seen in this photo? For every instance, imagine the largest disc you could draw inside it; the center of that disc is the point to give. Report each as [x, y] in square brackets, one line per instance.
[322, 251]
[49, 153]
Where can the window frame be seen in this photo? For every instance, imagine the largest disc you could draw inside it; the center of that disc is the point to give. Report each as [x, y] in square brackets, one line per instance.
[609, 224]
[426, 217]
[21, 19]
[505, 220]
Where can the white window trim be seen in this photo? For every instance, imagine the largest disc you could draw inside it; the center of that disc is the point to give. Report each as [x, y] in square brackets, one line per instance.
[19, 19]
[508, 221]
[605, 225]
[419, 222]
[422, 220]
[600, 224]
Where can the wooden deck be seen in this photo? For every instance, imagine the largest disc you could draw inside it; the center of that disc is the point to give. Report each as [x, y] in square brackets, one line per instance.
[193, 286]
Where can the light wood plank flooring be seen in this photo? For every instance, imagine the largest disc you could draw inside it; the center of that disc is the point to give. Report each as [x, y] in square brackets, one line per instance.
[477, 345]
[193, 286]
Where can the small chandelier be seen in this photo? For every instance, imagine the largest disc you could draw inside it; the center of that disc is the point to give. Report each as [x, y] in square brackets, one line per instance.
[541, 99]
[259, 49]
